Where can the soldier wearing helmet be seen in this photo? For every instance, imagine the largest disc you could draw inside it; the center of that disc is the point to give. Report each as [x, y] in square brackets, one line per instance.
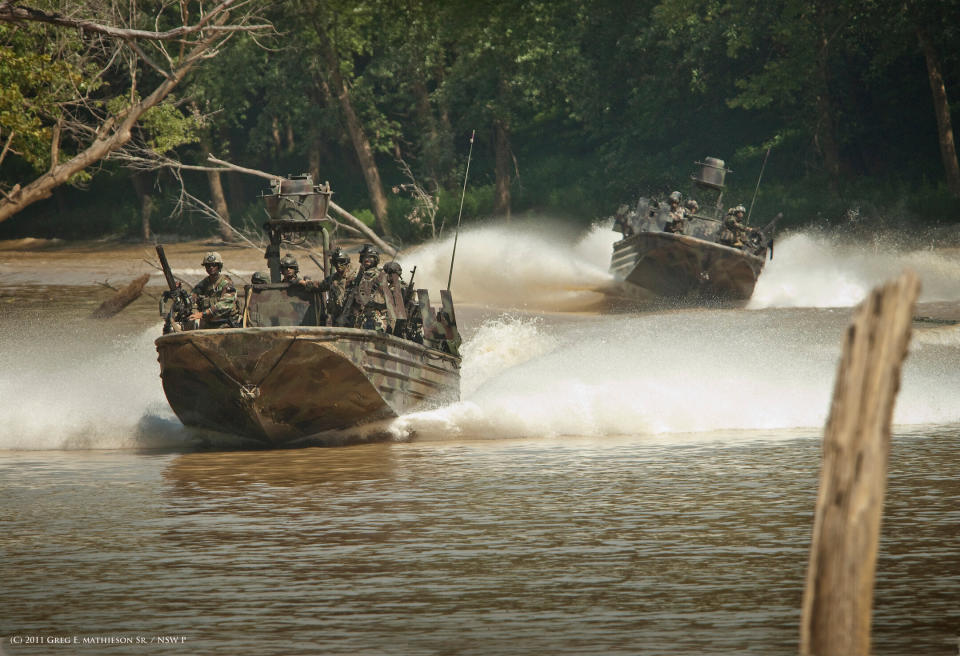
[733, 227]
[691, 207]
[335, 284]
[365, 305]
[260, 278]
[215, 297]
[289, 269]
[675, 222]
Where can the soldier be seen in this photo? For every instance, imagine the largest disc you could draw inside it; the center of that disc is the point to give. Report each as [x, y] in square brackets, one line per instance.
[260, 278]
[334, 284]
[289, 269]
[733, 228]
[675, 223]
[365, 306]
[621, 221]
[215, 297]
[691, 207]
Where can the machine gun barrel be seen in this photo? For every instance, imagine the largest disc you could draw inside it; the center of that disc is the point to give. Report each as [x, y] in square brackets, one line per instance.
[181, 305]
[409, 291]
[167, 272]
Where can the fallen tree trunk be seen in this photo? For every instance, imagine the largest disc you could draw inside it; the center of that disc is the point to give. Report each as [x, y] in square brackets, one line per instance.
[838, 599]
[121, 299]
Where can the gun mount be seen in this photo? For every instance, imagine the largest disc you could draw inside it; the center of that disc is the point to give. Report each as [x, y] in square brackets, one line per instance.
[296, 207]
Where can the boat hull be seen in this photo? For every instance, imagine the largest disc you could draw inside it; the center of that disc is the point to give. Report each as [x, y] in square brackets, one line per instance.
[678, 266]
[282, 384]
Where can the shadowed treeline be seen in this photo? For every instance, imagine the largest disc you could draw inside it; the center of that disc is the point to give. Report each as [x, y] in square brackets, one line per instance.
[577, 106]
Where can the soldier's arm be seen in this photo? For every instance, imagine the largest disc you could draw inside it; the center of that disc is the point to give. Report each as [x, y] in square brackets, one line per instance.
[224, 305]
[321, 285]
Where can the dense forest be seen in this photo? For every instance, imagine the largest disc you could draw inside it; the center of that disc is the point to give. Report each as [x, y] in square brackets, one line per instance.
[824, 109]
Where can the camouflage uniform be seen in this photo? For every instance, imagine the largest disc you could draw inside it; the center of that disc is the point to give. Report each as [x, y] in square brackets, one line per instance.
[366, 305]
[216, 297]
[733, 230]
[336, 287]
[676, 222]
[369, 304]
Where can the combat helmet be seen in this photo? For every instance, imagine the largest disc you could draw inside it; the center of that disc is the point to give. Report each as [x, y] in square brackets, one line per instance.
[674, 197]
[692, 206]
[339, 257]
[369, 251]
[212, 257]
[289, 262]
[260, 278]
[739, 208]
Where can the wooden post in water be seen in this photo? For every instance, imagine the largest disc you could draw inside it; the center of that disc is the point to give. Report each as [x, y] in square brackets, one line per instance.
[838, 599]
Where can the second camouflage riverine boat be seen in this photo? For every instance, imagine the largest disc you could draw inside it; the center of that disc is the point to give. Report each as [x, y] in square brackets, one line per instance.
[693, 264]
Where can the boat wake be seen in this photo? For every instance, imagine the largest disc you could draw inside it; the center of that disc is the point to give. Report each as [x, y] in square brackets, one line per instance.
[697, 372]
[533, 374]
[543, 267]
[520, 265]
[77, 393]
[811, 269]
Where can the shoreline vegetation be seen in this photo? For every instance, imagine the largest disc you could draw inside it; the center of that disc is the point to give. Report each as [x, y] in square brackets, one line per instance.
[832, 118]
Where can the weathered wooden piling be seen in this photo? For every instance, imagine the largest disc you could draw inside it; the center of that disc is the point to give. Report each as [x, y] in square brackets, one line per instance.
[838, 599]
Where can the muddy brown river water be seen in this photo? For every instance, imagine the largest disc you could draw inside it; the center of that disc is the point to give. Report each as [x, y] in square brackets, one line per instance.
[630, 483]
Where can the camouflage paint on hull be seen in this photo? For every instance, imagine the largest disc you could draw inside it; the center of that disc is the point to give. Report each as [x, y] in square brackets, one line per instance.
[679, 266]
[281, 384]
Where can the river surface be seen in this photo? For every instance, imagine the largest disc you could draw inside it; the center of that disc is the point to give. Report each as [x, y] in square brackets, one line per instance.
[637, 482]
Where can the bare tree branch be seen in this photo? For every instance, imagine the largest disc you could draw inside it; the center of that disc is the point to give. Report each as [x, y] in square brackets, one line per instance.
[6, 146]
[99, 134]
[11, 13]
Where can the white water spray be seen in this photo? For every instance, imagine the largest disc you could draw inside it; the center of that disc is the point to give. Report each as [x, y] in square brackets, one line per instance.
[519, 265]
[641, 374]
[686, 372]
[79, 392]
[813, 270]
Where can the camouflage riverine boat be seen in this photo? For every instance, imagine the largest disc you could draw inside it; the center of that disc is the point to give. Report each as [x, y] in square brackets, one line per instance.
[650, 262]
[287, 374]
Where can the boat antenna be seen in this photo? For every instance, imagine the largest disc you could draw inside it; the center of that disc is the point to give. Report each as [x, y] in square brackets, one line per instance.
[456, 235]
[758, 186]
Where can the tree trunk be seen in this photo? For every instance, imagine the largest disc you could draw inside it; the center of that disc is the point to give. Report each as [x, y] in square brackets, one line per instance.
[217, 196]
[428, 124]
[235, 189]
[142, 184]
[838, 598]
[275, 132]
[220, 204]
[122, 298]
[361, 144]
[826, 133]
[502, 158]
[948, 149]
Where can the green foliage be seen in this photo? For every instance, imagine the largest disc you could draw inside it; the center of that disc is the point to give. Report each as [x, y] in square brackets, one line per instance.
[33, 85]
[602, 100]
[366, 216]
[166, 127]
